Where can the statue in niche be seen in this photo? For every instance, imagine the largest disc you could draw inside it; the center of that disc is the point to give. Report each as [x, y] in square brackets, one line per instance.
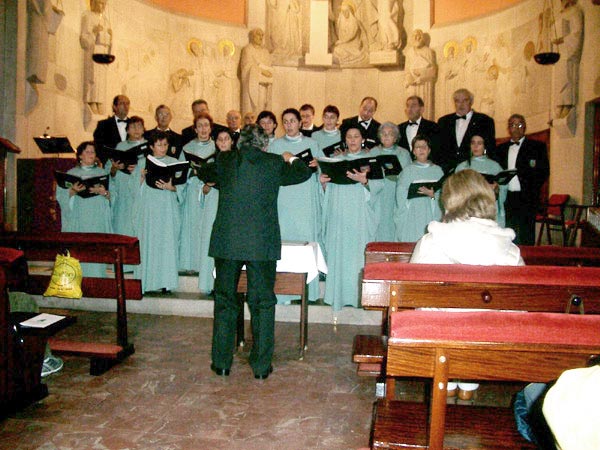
[388, 36]
[421, 71]
[566, 70]
[257, 73]
[352, 46]
[95, 37]
[285, 27]
[450, 74]
[202, 67]
[43, 19]
[227, 85]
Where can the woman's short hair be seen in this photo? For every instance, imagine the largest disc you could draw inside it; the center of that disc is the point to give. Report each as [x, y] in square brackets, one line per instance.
[81, 147]
[134, 119]
[360, 129]
[467, 194]
[421, 137]
[332, 109]
[293, 111]
[156, 136]
[392, 126]
[204, 115]
[265, 114]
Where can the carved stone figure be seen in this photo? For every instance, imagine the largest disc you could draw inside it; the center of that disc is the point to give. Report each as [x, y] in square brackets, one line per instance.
[421, 71]
[95, 37]
[566, 71]
[285, 27]
[388, 37]
[257, 74]
[227, 85]
[352, 46]
[43, 19]
[449, 75]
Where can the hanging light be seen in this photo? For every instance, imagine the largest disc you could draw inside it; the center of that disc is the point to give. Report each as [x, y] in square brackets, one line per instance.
[102, 52]
[547, 49]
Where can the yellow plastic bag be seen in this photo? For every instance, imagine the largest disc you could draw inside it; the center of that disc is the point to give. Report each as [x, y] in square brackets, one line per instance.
[66, 278]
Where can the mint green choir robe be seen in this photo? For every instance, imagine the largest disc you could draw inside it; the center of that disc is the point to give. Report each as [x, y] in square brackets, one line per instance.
[298, 205]
[386, 201]
[124, 190]
[208, 205]
[326, 138]
[485, 165]
[349, 223]
[191, 211]
[157, 225]
[412, 216]
[86, 215]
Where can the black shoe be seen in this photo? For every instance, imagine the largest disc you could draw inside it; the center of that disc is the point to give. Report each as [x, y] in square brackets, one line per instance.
[263, 376]
[218, 371]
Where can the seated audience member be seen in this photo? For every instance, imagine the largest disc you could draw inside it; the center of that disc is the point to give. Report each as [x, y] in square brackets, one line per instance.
[530, 158]
[388, 135]
[571, 409]
[86, 214]
[480, 162]
[456, 130]
[349, 223]
[298, 205]
[163, 117]
[468, 234]
[416, 124]
[307, 115]
[191, 211]
[368, 107]
[412, 215]
[329, 134]
[268, 122]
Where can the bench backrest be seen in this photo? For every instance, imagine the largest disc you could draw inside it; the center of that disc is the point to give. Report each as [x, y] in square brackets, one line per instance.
[528, 288]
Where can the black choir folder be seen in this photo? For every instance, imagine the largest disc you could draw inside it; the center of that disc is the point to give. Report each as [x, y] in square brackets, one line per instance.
[330, 149]
[306, 157]
[157, 170]
[501, 178]
[413, 189]
[128, 157]
[66, 180]
[53, 144]
[196, 160]
[376, 166]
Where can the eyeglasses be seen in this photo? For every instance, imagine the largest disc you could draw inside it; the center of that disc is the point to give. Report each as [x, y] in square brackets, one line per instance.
[516, 125]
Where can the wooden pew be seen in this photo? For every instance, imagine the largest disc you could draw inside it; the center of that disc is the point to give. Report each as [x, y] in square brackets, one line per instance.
[368, 351]
[113, 249]
[490, 345]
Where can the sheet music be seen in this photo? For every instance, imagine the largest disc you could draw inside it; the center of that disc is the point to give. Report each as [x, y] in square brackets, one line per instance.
[42, 320]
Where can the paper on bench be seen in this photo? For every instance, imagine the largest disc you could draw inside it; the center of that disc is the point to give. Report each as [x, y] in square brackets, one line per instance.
[42, 320]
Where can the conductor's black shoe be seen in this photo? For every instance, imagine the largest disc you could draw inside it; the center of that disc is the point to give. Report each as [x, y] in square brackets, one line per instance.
[264, 376]
[218, 371]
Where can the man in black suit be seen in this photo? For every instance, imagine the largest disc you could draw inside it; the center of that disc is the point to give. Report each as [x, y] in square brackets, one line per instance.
[246, 231]
[307, 117]
[234, 123]
[457, 129]
[416, 124]
[370, 127]
[163, 118]
[189, 133]
[109, 132]
[530, 158]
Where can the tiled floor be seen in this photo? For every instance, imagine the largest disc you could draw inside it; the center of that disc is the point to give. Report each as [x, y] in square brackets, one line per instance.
[166, 397]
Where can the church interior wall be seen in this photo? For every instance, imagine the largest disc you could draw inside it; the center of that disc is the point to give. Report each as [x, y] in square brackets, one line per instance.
[152, 45]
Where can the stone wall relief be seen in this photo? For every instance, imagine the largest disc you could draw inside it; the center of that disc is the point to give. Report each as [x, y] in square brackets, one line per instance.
[43, 19]
[256, 73]
[449, 80]
[421, 72]
[284, 28]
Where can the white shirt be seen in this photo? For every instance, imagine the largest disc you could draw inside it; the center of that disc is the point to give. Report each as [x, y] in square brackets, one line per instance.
[461, 127]
[411, 131]
[364, 123]
[514, 185]
[122, 127]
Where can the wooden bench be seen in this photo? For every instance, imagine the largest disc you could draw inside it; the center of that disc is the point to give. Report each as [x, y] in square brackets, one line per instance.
[22, 349]
[490, 345]
[113, 249]
[369, 351]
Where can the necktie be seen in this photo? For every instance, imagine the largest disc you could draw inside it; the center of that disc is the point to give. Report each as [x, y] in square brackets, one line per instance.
[413, 123]
[121, 121]
[514, 142]
[364, 123]
[461, 117]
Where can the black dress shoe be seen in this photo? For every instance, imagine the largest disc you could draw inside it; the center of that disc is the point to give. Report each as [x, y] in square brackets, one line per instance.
[263, 376]
[218, 371]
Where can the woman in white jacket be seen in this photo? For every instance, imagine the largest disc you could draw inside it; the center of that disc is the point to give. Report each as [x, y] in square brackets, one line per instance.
[468, 234]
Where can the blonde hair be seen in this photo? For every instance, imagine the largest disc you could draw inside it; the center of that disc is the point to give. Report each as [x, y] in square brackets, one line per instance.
[467, 194]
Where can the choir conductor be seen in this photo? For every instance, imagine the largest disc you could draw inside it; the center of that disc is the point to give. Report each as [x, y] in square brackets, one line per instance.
[246, 231]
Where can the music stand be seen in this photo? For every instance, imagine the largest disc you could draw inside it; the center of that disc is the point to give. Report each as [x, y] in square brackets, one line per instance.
[54, 144]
